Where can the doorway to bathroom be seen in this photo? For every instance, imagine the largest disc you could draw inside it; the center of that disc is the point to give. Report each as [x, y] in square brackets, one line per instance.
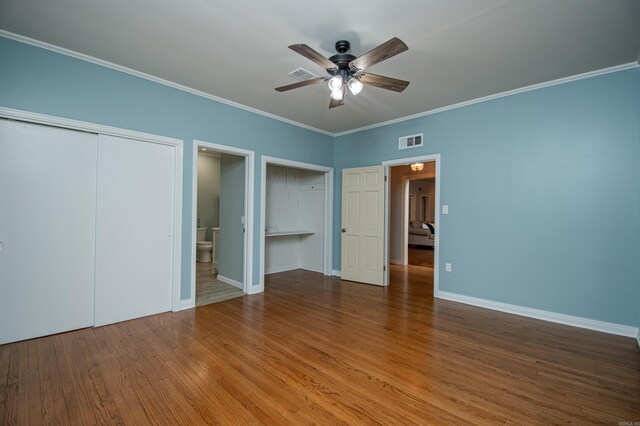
[221, 222]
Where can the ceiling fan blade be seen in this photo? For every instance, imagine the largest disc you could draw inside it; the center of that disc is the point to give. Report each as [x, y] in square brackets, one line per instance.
[299, 84]
[313, 55]
[384, 82]
[334, 103]
[378, 54]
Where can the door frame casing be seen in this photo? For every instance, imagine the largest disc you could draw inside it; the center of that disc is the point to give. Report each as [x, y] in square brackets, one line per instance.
[436, 246]
[328, 209]
[178, 144]
[249, 164]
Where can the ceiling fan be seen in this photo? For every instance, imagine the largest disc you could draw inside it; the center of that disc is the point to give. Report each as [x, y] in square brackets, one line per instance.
[347, 71]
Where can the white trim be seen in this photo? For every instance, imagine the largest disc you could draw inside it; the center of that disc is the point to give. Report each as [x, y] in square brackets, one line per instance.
[230, 282]
[84, 126]
[186, 304]
[386, 243]
[396, 261]
[82, 56]
[249, 166]
[291, 268]
[562, 80]
[638, 337]
[328, 206]
[177, 214]
[605, 327]
[149, 77]
[336, 273]
[282, 269]
[436, 242]
[49, 120]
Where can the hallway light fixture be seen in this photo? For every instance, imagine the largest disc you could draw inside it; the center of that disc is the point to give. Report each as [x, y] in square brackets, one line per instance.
[417, 167]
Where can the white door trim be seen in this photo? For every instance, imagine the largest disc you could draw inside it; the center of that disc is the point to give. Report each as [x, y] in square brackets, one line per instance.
[328, 206]
[178, 144]
[436, 245]
[249, 162]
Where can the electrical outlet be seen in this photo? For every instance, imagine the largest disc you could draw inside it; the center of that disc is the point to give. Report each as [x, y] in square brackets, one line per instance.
[447, 267]
[445, 209]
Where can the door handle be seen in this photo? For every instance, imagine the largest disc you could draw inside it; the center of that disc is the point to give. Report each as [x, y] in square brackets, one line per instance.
[344, 230]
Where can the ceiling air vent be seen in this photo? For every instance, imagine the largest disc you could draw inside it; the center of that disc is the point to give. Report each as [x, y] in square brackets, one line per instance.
[411, 141]
[302, 74]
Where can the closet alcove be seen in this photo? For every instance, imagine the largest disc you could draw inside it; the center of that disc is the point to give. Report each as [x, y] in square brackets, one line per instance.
[294, 219]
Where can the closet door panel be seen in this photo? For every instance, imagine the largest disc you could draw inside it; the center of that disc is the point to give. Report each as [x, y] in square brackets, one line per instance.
[47, 230]
[134, 229]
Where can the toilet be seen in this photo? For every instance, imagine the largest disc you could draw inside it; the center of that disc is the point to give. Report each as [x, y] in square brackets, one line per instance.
[203, 247]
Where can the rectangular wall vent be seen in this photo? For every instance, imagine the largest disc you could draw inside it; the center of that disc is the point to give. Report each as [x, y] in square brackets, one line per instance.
[411, 141]
[302, 74]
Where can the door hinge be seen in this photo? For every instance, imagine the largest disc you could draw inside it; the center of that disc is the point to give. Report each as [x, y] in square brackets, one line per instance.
[385, 178]
[384, 268]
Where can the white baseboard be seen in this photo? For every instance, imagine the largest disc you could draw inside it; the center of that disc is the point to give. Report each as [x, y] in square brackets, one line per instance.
[605, 327]
[281, 269]
[230, 282]
[187, 304]
[396, 262]
[312, 269]
[638, 337]
[336, 272]
[292, 268]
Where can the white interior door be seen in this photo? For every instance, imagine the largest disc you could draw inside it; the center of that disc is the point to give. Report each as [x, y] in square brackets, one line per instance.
[134, 229]
[363, 224]
[47, 230]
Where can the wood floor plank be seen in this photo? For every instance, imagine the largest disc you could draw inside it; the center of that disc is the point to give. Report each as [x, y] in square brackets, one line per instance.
[314, 349]
[9, 387]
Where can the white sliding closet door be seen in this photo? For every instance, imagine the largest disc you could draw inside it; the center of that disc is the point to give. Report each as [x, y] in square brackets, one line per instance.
[134, 229]
[47, 230]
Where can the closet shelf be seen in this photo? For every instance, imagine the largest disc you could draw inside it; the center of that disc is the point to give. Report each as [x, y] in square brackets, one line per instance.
[283, 233]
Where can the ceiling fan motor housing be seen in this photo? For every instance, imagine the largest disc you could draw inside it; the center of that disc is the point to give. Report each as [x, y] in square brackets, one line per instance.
[342, 59]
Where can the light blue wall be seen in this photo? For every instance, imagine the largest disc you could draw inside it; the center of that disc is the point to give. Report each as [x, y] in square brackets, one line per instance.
[543, 190]
[41, 81]
[543, 187]
[208, 201]
[231, 254]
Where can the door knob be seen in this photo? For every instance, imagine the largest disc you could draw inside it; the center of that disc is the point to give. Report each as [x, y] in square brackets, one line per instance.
[344, 230]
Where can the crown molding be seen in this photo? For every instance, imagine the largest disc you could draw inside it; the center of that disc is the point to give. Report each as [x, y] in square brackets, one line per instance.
[496, 96]
[116, 67]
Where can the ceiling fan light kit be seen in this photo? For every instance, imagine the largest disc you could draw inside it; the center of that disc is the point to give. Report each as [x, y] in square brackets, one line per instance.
[417, 167]
[335, 83]
[355, 86]
[337, 94]
[347, 71]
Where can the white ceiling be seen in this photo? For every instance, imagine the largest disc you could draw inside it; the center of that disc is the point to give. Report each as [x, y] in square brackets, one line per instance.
[459, 50]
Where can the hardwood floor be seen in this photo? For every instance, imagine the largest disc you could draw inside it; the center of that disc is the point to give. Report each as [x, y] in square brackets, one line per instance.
[209, 289]
[313, 349]
[421, 256]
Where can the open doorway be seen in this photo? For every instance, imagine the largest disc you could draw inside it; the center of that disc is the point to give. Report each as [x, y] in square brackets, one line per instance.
[221, 222]
[412, 220]
[418, 190]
